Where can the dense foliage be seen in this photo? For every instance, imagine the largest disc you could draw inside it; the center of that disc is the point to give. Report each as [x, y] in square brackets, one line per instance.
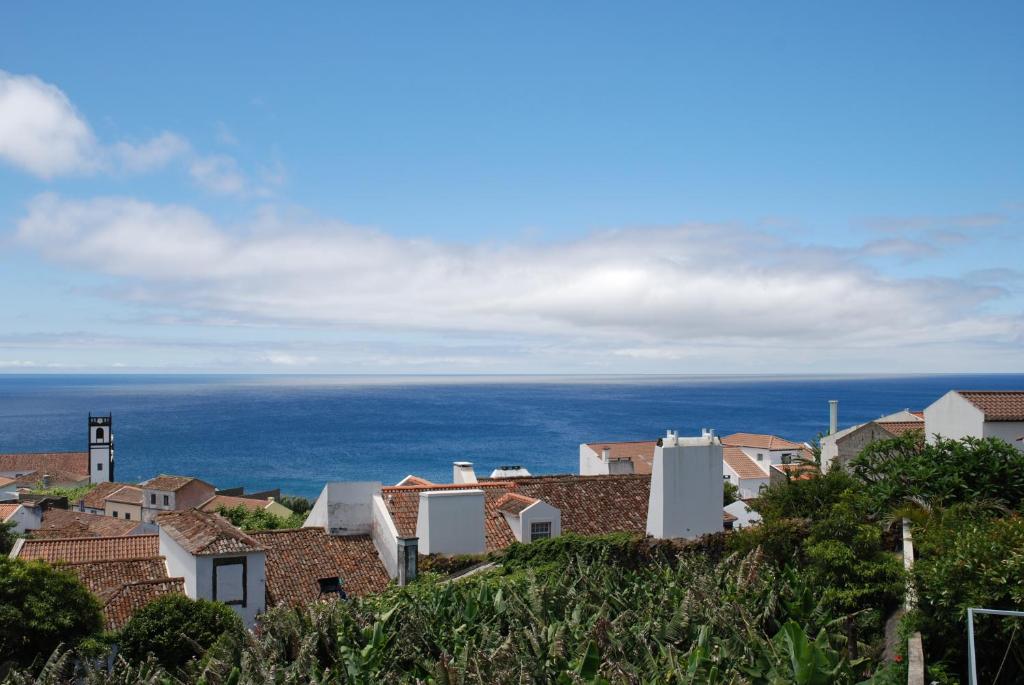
[730, 493]
[176, 629]
[42, 607]
[260, 519]
[298, 505]
[7, 537]
[73, 494]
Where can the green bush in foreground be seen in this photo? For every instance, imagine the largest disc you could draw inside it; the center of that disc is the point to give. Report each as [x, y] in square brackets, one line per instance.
[42, 607]
[176, 629]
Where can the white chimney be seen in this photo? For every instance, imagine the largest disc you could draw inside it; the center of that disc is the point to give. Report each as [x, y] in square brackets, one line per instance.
[606, 454]
[451, 522]
[686, 488]
[462, 472]
[833, 416]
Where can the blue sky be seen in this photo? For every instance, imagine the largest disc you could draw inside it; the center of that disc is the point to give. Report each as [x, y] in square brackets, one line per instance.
[580, 187]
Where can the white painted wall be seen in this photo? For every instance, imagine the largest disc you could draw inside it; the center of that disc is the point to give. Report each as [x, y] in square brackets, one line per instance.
[180, 564]
[26, 518]
[451, 522]
[150, 510]
[344, 508]
[686, 488]
[99, 463]
[538, 512]
[745, 516]
[591, 463]
[951, 416]
[385, 536]
[1005, 430]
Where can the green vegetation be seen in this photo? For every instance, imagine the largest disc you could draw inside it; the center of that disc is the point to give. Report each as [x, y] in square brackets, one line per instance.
[298, 505]
[41, 608]
[7, 537]
[73, 494]
[802, 598]
[730, 493]
[175, 629]
[260, 519]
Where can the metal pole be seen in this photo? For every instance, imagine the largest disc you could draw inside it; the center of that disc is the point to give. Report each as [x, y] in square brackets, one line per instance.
[973, 672]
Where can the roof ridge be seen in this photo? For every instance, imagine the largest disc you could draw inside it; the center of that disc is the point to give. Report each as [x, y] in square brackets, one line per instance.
[97, 537]
[159, 557]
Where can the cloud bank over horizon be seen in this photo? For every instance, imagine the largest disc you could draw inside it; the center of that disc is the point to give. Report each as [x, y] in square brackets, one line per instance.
[272, 286]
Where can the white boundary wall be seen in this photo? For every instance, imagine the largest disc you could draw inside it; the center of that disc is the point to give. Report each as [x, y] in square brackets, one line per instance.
[385, 536]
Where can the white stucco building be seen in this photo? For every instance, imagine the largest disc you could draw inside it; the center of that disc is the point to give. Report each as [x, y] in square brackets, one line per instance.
[977, 413]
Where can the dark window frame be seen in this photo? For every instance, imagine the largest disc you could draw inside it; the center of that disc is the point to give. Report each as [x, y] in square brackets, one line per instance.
[167, 500]
[152, 498]
[233, 561]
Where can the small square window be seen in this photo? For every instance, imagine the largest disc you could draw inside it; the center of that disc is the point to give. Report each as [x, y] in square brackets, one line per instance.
[760, 456]
[167, 500]
[541, 530]
[115, 514]
[152, 498]
[99, 466]
[127, 516]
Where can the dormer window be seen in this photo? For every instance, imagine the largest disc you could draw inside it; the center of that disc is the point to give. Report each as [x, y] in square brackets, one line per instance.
[540, 530]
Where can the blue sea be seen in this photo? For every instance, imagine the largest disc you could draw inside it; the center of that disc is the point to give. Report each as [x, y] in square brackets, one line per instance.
[298, 432]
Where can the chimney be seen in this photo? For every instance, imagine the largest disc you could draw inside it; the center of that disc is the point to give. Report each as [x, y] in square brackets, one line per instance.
[47, 480]
[833, 416]
[452, 522]
[686, 487]
[407, 557]
[606, 454]
[462, 472]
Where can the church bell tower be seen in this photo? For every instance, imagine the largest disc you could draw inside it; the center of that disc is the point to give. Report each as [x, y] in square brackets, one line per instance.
[101, 449]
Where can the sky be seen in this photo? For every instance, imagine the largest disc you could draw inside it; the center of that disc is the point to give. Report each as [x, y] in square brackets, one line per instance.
[532, 187]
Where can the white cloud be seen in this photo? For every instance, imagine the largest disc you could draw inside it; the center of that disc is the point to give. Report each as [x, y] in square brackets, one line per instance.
[41, 132]
[684, 293]
[218, 174]
[153, 154]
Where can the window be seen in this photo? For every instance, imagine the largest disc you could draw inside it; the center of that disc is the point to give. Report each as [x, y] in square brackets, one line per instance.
[99, 466]
[167, 500]
[115, 514]
[152, 498]
[787, 458]
[760, 456]
[127, 516]
[229, 580]
[540, 530]
[726, 476]
[99, 434]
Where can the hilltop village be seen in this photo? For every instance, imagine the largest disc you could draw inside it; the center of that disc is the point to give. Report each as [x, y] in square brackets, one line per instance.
[131, 543]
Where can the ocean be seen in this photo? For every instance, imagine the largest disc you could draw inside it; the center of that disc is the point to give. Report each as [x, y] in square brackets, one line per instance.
[298, 432]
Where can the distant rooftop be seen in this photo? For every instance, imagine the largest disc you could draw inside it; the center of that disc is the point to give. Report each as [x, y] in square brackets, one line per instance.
[205, 534]
[171, 483]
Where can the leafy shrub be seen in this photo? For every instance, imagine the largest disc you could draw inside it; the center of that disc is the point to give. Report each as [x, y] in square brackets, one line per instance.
[941, 474]
[259, 519]
[970, 559]
[299, 505]
[41, 607]
[175, 629]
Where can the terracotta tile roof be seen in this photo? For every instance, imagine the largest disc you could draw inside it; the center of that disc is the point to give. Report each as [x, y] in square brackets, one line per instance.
[91, 549]
[96, 498]
[104, 578]
[205, 534]
[998, 405]
[230, 502]
[796, 471]
[514, 503]
[743, 465]
[133, 596]
[641, 453]
[66, 523]
[414, 480]
[298, 558]
[4, 480]
[760, 440]
[589, 505]
[7, 510]
[901, 427]
[34, 478]
[170, 483]
[74, 462]
[919, 414]
[128, 494]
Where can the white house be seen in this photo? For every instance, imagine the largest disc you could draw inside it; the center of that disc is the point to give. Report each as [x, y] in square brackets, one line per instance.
[839, 447]
[977, 413]
[23, 517]
[750, 460]
[745, 516]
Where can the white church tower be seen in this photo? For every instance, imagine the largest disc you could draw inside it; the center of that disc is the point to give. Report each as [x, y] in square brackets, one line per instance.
[101, 449]
[686, 487]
